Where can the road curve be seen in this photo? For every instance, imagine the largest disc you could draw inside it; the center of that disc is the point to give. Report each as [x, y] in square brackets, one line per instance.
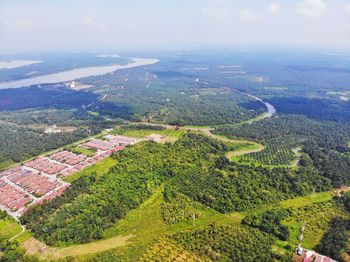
[256, 147]
[20, 233]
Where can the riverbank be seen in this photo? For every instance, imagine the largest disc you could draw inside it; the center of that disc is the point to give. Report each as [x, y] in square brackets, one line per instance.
[77, 73]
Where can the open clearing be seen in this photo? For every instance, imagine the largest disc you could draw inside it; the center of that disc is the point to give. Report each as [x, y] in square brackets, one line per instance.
[170, 134]
[307, 200]
[174, 132]
[133, 234]
[251, 148]
[9, 228]
[35, 247]
[297, 153]
[100, 168]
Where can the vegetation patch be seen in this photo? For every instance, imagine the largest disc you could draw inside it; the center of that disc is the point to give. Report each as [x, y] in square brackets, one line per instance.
[226, 243]
[335, 241]
[168, 250]
[98, 169]
[8, 227]
[317, 218]
[325, 142]
[178, 208]
[269, 222]
[82, 150]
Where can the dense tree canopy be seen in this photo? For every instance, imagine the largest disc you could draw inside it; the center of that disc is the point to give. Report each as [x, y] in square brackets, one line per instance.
[190, 166]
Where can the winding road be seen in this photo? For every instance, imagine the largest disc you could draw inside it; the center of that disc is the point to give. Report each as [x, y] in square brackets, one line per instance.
[253, 146]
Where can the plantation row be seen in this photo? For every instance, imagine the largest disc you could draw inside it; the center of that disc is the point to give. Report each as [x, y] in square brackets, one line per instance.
[325, 142]
[276, 152]
[194, 166]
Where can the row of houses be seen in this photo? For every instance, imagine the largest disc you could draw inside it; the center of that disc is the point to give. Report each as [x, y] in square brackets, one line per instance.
[41, 178]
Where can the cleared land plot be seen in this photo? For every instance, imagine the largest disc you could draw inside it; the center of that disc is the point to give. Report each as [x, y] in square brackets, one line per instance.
[170, 134]
[156, 137]
[98, 144]
[34, 247]
[121, 140]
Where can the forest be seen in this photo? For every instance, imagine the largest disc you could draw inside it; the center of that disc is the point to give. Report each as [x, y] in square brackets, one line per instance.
[325, 142]
[269, 222]
[228, 243]
[174, 96]
[335, 241]
[19, 142]
[315, 108]
[192, 166]
[193, 178]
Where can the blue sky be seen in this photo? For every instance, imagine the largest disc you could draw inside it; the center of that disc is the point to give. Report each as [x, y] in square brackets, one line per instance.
[144, 24]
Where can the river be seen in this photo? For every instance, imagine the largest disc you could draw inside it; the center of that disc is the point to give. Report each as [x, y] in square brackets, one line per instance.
[77, 73]
[271, 110]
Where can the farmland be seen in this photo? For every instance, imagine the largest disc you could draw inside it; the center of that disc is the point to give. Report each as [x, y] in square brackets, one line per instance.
[168, 162]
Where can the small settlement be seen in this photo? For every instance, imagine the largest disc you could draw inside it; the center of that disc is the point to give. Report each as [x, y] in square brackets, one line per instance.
[310, 256]
[41, 179]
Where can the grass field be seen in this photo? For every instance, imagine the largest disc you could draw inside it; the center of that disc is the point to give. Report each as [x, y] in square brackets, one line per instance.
[316, 210]
[9, 228]
[307, 200]
[94, 247]
[147, 224]
[82, 150]
[132, 236]
[5, 165]
[147, 228]
[317, 217]
[100, 168]
[247, 148]
[137, 231]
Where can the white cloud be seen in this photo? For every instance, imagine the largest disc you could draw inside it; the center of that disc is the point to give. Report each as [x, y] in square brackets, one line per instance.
[347, 8]
[273, 8]
[85, 21]
[216, 12]
[247, 15]
[21, 24]
[219, 1]
[311, 8]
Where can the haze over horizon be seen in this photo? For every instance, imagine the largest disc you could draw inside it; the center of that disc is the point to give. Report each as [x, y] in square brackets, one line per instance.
[90, 25]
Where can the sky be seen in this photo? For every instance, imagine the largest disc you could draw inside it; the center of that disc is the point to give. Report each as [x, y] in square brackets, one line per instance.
[91, 25]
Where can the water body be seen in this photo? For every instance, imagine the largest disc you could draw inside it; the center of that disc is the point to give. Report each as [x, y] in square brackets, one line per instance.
[17, 63]
[271, 110]
[77, 73]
